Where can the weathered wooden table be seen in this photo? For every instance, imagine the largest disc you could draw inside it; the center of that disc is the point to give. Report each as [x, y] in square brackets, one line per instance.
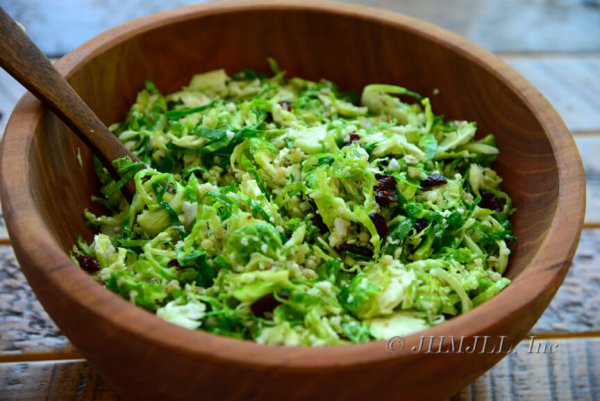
[556, 45]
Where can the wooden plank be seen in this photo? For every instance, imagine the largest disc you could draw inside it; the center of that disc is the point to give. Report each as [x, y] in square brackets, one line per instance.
[10, 92]
[576, 306]
[569, 372]
[589, 148]
[570, 83]
[53, 381]
[3, 231]
[511, 25]
[24, 325]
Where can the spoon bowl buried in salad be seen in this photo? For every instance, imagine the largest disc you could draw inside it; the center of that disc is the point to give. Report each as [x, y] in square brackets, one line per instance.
[287, 212]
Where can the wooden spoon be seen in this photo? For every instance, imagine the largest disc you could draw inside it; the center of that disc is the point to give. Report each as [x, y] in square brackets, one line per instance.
[22, 59]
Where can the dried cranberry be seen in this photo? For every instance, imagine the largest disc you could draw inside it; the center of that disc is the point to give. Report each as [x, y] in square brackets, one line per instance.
[317, 220]
[89, 264]
[174, 263]
[353, 137]
[385, 191]
[420, 224]
[385, 182]
[380, 224]
[433, 180]
[287, 106]
[384, 198]
[267, 304]
[491, 201]
[357, 249]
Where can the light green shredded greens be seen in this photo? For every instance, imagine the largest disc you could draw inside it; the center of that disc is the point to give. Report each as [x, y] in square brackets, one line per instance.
[286, 212]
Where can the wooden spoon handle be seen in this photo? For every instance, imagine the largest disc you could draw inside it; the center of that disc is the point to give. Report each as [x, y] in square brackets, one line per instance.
[22, 59]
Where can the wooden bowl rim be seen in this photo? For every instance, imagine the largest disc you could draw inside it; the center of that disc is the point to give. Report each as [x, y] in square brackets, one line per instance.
[38, 246]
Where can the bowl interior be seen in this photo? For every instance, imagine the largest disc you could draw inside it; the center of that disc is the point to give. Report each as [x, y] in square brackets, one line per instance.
[349, 50]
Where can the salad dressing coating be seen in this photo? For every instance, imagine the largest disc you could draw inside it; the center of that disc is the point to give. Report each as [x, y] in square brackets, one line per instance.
[287, 212]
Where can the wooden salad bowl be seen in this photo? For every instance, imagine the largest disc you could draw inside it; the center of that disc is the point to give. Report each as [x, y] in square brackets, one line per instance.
[45, 190]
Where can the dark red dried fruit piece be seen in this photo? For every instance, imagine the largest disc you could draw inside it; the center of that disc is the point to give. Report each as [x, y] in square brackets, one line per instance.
[174, 263]
[384, 198]
[380, 224]
[352, 138]
[433, 180]
[420, 224]
[385, 190]
[267, 304]
[357, 249]
[385, 182]
[89, 264]
[287, 106]
[491, 201]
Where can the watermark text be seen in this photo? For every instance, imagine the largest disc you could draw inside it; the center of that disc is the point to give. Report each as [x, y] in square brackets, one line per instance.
[469, 345]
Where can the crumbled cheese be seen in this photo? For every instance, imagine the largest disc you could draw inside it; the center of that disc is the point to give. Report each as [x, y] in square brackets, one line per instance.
[432, 196]
[340, 231]
[204, 188]
[410, 159]
[393, 165]
[386, 260]
[363, 284]
[190, 210]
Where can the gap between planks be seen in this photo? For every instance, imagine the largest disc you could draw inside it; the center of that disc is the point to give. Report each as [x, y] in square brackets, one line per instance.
[587, 133]
[43, 356]
[548, 54]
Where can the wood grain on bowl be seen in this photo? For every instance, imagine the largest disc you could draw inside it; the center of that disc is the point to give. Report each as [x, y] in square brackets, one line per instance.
[44, 191]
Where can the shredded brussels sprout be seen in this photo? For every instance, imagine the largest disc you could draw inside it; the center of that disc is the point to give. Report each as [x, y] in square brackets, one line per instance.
[281, 211]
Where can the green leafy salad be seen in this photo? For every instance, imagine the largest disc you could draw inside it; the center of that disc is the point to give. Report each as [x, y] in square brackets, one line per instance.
[289, 213]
